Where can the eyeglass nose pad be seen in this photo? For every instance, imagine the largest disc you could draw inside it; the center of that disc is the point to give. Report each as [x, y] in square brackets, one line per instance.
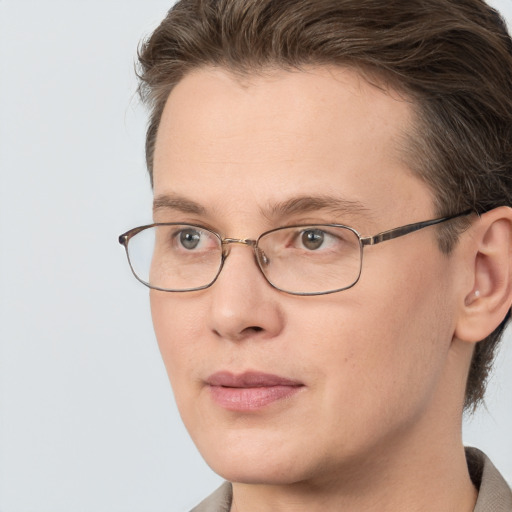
[261, 257]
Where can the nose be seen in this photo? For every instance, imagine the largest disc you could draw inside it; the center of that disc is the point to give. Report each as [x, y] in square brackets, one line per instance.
[243, 304]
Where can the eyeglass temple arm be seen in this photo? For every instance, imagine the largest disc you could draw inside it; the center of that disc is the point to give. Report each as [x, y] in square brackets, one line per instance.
[409, 228]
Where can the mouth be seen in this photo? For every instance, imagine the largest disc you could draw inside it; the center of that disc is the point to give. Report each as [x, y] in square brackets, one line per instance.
[250, 391]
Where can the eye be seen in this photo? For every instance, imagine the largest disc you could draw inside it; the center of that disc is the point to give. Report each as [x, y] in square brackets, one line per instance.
[312, 239]
[192, 239]
[189, 238]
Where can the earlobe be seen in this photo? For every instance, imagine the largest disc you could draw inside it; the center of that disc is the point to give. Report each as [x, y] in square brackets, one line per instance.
[488, 299]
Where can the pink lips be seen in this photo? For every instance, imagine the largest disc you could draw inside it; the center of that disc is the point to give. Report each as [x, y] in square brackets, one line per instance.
[249, 391]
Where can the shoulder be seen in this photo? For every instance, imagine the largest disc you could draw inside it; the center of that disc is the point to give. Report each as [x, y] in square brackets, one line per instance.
[494, 494]
[218, 501]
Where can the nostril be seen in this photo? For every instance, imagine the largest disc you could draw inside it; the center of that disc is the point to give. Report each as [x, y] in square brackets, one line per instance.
[254, 328]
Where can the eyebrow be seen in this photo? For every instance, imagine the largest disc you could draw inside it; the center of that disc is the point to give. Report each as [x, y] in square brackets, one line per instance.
[305, 204]
[178, 203]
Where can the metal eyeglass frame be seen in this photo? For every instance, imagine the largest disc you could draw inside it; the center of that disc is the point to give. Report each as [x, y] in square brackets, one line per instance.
[389, 234]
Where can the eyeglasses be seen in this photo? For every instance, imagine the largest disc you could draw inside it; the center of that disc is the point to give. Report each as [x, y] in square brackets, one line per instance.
[300, 260]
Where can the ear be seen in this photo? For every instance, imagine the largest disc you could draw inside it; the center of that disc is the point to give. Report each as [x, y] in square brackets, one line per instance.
[487, 296]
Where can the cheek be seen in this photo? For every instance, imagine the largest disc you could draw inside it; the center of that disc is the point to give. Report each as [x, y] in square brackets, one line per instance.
[177, 327]
[383, 355]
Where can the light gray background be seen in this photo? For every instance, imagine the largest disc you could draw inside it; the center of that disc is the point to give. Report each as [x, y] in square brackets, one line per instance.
[87, 419]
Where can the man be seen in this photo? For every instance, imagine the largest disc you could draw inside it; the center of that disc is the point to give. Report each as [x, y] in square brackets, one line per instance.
[330, 262]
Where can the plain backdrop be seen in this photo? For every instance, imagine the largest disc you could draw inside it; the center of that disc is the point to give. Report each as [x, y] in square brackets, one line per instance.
[87, 418]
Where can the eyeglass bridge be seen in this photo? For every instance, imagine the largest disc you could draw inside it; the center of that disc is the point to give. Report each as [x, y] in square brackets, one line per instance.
[243, 241]
[258, 253]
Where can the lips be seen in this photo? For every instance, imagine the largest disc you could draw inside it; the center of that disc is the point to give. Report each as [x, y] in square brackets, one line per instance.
[250, 391]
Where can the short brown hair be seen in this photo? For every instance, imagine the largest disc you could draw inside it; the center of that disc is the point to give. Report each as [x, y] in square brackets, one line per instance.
[453, 58]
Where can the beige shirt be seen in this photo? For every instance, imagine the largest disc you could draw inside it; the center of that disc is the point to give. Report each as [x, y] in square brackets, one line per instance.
[494, 495]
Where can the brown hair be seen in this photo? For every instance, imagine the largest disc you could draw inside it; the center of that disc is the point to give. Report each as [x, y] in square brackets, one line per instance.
[453, 58]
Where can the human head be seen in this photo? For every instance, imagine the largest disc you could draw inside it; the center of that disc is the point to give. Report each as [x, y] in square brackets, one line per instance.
[451, 58]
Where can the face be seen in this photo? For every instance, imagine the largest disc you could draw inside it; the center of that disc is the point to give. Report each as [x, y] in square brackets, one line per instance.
[280, 388]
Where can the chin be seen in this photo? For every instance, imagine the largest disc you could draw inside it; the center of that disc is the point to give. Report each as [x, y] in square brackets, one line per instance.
[250, 471]
[257, 461]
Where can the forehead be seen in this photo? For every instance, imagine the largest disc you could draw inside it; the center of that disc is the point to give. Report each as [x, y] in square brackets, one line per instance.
[284, 133]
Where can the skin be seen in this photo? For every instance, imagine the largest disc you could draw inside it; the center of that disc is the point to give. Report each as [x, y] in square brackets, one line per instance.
[377, 422]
